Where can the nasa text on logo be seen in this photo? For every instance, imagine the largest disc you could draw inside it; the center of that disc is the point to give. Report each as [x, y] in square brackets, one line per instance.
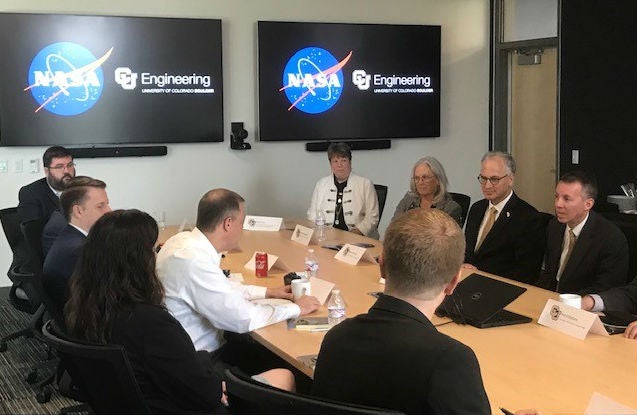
[66, 79]
[313, 80]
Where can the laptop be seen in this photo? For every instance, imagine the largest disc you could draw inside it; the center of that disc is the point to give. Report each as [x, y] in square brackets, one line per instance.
[480, 301]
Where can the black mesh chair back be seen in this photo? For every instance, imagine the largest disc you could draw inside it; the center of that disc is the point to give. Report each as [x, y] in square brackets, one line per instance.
[381, 192]
[247, 396]
[32, 232]
[101, 371]
[18, 296]
[11, 227]
[464, 201]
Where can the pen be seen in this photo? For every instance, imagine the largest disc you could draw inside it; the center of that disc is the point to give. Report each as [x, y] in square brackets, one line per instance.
[506, 412]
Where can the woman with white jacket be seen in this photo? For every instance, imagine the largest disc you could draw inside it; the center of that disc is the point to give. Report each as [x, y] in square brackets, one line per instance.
[348, 201]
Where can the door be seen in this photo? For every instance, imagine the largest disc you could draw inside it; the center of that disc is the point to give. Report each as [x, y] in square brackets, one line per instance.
[533, 128]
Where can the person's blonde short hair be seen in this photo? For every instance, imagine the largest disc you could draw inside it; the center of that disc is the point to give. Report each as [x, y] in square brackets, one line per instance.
[423, 250]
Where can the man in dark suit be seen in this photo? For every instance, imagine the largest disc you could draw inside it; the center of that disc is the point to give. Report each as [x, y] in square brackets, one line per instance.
[395, 340]
[585, 252]
[40, 198]
[84, 201]
[504, 234]
[617, 299]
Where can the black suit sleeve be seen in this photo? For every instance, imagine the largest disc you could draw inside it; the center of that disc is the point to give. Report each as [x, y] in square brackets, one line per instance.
[446, 397]
[176, 367]
[529, 250]
[164, 353]
[612, 267]
[621, 298]
[29, 207]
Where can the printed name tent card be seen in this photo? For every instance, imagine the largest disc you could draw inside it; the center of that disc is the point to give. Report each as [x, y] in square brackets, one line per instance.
[303, 235]
[262, 223]
[321, 289]
[274, 262]
[570, 320]
[352, 254]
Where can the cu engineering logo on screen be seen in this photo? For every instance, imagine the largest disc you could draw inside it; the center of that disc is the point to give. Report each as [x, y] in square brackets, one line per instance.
[313, 80]
[66, 78]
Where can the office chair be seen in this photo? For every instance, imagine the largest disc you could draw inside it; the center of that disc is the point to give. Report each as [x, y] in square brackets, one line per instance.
[628, 225]
[381, 192]
[247, 396]
[18, 296]
[102, 372]
[464, 201]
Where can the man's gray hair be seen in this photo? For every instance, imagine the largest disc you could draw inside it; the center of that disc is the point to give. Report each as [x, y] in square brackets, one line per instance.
[508, 159]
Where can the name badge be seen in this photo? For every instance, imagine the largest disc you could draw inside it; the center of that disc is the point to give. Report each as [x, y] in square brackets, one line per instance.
[262, 223]
[352, 254]
[570, 320]
[302, 235]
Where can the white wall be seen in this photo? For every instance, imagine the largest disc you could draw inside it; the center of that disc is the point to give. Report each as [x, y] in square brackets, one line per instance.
[278, 178]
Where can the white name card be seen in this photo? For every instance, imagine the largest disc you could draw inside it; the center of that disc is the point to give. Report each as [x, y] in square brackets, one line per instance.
[570, 320]
[273, 262]
[302, 235]
[352, 254]
[262, 223]
[321, 289]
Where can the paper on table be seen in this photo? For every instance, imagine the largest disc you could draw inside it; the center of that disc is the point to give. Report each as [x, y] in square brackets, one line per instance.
[603, 405]
[321, 289]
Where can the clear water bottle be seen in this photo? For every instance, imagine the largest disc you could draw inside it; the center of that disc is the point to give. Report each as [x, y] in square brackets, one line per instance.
[311, 263]
[319, 225]
[335, 308]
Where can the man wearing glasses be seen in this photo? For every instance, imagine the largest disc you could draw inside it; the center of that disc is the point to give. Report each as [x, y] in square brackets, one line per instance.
[42, 197]
[504, 234]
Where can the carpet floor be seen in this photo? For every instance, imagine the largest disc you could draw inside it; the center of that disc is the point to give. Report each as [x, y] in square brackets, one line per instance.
[17, 396]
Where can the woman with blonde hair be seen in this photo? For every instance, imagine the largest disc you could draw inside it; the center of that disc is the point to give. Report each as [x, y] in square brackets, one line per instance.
[428, 189]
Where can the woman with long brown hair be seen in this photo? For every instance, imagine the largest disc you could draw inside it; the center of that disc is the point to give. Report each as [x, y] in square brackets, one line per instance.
[116, 298]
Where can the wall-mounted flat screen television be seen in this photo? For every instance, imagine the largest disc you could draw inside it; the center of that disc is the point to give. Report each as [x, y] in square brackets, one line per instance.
[322, 81]
[78, 80]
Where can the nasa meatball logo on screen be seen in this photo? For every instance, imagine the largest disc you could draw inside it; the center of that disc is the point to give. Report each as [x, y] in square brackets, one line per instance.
[66, 78]
[313, 80]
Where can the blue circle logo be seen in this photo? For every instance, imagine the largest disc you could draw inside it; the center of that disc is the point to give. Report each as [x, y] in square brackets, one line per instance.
[66, 79]
[313, 80]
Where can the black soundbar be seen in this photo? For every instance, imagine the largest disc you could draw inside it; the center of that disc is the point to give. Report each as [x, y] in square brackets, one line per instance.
[354, 145]
[94, 152]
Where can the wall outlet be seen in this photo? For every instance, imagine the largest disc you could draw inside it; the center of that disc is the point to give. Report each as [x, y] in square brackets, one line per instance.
[34, 165]
[18, 166]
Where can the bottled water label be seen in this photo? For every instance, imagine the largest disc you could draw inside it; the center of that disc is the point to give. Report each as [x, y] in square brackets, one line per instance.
[311, 267]
[335, 315]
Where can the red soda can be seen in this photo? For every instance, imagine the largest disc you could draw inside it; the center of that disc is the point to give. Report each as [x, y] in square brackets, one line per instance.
[261, 264]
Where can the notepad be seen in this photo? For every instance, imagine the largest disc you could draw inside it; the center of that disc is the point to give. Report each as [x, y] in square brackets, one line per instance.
[311, 324]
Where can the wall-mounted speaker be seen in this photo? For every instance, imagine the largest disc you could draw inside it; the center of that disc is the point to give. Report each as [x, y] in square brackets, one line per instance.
[133, 151]
[353, 145]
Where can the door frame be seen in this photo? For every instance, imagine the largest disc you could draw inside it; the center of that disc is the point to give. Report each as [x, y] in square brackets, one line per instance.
[499, 115]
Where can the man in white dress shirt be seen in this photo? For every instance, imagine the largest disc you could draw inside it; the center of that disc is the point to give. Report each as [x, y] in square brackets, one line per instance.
[200, 296]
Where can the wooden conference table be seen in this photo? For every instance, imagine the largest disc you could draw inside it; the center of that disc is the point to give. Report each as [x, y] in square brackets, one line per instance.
[523, 366]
